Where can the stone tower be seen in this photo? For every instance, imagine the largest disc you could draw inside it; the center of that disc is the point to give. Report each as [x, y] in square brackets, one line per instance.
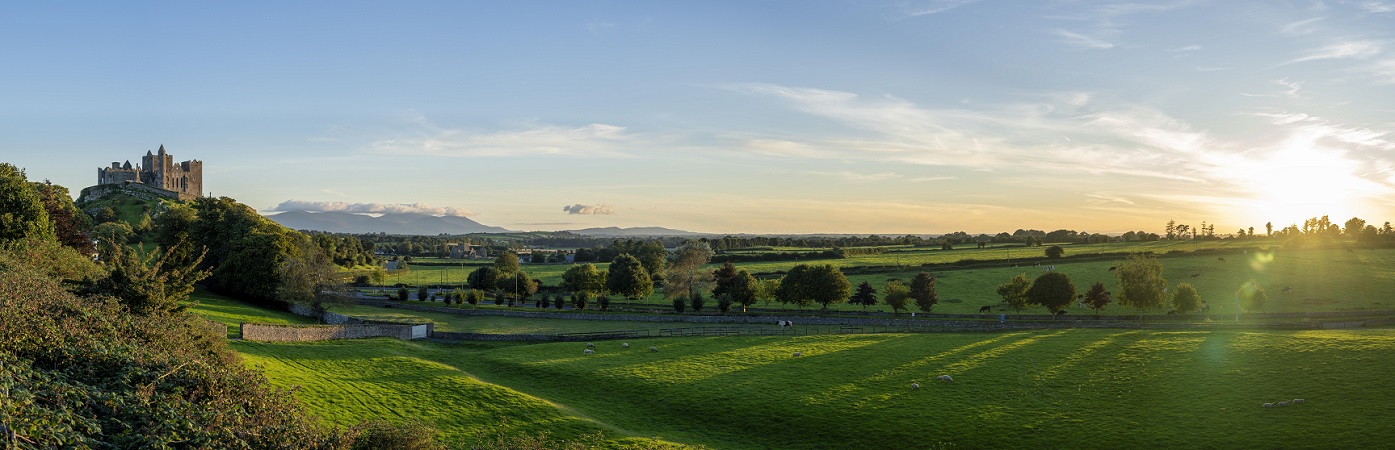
[160, 171]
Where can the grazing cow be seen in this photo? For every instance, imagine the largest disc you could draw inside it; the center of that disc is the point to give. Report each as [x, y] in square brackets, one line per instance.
[915, 385]
[945, 378]
[786, 323]
[985, 309]
[1036, 264]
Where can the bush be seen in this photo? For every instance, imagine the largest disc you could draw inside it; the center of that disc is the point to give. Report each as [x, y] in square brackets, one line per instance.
[421, 293]
[559, 301]
[698, 302]
[604, 302]
[679, 304]
[402, 294]
[410, 435]
[579, 300]
[724, 303]
[474, 296]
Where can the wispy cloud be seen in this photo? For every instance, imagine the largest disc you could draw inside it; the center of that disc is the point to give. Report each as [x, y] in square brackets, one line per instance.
[858, 177]
[528, 139]
[1301, 27]
[1109, 198]
[599, 208]
[1185, 49]
[1340, 50]
[370, 208]
[1080, 40]
[924, 8]
[1378, 7]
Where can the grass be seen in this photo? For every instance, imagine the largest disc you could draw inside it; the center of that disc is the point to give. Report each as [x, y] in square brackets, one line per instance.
[513, 325]
[233, 312]
[1043, 389]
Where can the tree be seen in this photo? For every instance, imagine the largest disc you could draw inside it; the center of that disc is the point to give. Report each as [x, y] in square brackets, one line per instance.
[897, 295]
[1252, 297]
[923, 292]
[766, 290]
[22, 213]
[685, 276]
[805, 284]
[506, 264]
[653, 256]
[1185, 299]
[111, 238]
[627, 277]
[1354, 226]
[697, 301]
[1052, 290]
[309, 277]
[866, 295]
[1097, 298]
[147, 285]
[70, 225]
[1141, 284]
[422, 293]
[1269, 229]
[1055, 252]
[737, 285]
[485, 278]
[583, 278]
[402, 294]
[1171, 229]
[1014, 292]
[523, 286]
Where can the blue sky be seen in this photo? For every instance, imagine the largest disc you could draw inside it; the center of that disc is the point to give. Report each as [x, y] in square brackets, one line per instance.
[855, 116]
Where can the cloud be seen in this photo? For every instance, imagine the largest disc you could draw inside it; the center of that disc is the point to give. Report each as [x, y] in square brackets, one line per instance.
[530, 139]
[1109, 198]
[1340, 50]
[370, 208]
[1378, 7]
[1189, 48]
[1081, 40]
[858, 177]
[599, 208]
[1301, 27]
[934, 7]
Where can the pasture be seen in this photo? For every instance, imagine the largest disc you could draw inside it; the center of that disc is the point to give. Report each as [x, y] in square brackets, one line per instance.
[1077, 388]
[1318, 280]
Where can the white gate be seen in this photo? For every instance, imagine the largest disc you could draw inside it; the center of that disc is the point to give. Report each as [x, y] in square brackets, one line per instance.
[418, 331]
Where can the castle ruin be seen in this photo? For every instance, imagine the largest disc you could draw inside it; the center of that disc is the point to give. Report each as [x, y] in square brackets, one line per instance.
[157, 170]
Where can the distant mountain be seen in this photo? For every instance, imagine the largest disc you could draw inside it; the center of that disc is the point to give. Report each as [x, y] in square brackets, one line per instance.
[635, 231]
[408, 224]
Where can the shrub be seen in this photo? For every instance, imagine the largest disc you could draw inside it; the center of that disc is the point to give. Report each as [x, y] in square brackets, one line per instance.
[558, 301]
[402, 294]
[724, 303]
[698, 302]
[421, 293]
[604, 302]
[579, 300]
[679, 304]
[474, 296]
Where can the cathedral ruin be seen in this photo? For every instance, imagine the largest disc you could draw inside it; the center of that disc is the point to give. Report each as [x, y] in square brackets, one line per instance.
[157, 170]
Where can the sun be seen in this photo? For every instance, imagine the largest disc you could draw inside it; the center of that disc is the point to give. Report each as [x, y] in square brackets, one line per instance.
[1295, 185]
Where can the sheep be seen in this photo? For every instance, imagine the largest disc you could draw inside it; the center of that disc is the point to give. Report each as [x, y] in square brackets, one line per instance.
[587, 351]
[590, 345]
[653, 349]
[624, 345]
[1268, 405]
[945, 378]
[915, 385]
[798, 354]
[1282, 403]
[1297, 401]
[985, 309]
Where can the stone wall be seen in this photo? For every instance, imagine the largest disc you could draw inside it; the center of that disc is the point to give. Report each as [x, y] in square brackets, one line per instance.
[301, 333]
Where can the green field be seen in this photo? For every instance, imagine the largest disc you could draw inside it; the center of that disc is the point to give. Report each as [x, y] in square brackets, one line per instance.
[1319, 280]
[1039, 389]
[232, 312]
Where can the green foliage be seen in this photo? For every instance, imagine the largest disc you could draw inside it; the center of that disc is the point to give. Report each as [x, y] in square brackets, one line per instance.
[50, 259]
[1014, 292]
[308, 276]
[1052, 290]
[724, 303]
[1097, 297]
[1185, 299]
[559, 301]
[70, 225]
[474, 296]
[485, 278]
[697, 301]
[422, 293]
[805, 284]
[244, 249]
[379, 434]
[737, 284]
[866, 295]
[627, 277]
[583, 278]
[402, 294]
[897, 295]
[147, 285]
[579, 300]
[923, 292]
[22, 213]
[1141, 284]
[679, 305]
[604, 302]
[111, 238]
[685, 276]
[1252, 296]
[85, 373]
[1055, 252]
[506, 264]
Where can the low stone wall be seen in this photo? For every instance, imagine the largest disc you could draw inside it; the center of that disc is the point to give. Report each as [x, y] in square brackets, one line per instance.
[217, 329]
[493, 337]
[301, 333]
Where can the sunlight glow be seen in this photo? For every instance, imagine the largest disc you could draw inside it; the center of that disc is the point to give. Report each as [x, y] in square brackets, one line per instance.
[1304, 180]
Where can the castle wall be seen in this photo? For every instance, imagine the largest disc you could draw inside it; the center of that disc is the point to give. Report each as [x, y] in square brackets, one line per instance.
[158, 171]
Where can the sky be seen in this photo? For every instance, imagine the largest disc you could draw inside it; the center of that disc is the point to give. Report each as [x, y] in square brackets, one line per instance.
[858, 116]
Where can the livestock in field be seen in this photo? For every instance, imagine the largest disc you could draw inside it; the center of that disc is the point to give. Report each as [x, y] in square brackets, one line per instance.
[590, 345]
[1282, 403]
[1220, 259]
[624, 345]
[1297, 401]
[985, 309]
[798, 354]
[786, 323]
[945, 378]
[915, 385]
[653, 349]
[588, 351]
[1268, 405]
